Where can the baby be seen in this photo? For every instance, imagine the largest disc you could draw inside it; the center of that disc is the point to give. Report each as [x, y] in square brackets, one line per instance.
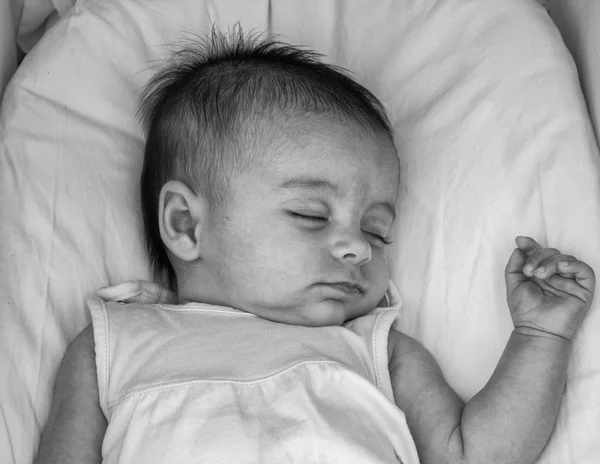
[269, 188]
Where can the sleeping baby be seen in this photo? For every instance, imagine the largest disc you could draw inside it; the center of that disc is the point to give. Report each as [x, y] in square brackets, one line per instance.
[269, 193]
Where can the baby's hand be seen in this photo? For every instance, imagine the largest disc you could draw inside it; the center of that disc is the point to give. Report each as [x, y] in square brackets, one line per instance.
[547, 291]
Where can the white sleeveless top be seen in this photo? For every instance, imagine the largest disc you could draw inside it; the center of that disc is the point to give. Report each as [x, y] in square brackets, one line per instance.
[199, 383]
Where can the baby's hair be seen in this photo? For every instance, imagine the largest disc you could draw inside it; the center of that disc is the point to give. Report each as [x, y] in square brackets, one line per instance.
[195, 111]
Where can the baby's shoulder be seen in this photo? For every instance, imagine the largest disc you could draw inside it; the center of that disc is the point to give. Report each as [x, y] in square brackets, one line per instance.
[404, 349]
[83, 342]
[80, 354]
[76, 377]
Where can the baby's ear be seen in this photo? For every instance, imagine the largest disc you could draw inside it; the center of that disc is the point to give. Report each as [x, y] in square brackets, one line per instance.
[181, 216]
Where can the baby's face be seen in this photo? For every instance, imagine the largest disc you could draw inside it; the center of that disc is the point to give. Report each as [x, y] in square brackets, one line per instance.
[302, 242]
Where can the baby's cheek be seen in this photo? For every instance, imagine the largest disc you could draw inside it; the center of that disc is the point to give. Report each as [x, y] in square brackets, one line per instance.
[377, 273]
[295, 242]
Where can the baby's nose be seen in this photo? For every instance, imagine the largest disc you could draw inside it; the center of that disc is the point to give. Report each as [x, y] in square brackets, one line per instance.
[352, 250]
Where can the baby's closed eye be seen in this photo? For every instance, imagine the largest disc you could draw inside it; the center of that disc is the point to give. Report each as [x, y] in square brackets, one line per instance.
[315, 218]
[309, 217]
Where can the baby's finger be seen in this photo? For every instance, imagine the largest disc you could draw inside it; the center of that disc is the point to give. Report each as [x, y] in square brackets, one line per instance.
[570, 287]
[527, 244]
[536, 258]
[555, 265]
[583, 274]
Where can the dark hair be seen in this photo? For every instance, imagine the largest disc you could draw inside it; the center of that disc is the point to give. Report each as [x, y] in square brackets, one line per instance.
[194, 109]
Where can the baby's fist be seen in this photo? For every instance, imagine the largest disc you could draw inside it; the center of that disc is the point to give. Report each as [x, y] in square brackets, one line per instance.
[547, 291]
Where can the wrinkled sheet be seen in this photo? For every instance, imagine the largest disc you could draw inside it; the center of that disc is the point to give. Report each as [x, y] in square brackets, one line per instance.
[492, 131]
[8, 46]
[22, 25]
[579, 23]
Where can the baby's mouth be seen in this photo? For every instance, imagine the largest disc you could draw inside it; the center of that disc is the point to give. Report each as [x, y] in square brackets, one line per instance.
[349, 289]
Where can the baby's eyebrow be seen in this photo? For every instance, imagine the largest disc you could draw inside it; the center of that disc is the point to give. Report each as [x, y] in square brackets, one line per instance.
[314, 183]
[311, 183]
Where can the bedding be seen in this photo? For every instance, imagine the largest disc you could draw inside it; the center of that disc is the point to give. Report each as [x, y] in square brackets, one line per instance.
[578, 22]
[22, 24]
[493, 134]
[8, 48]
[32, 18]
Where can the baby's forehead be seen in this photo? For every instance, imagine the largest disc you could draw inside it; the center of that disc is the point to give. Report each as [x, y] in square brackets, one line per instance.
[325, 132]
[321, 154]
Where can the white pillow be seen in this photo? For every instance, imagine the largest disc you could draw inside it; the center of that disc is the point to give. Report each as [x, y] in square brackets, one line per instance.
[8, 46]
[492, 131]
[579, 23]
[32, 18]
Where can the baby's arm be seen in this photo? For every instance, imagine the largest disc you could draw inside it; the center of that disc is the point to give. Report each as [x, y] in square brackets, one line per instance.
[76, 425]
[508, 421]
[511, 418]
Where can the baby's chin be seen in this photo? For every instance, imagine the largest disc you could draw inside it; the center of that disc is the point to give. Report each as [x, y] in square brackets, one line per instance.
[326, 312]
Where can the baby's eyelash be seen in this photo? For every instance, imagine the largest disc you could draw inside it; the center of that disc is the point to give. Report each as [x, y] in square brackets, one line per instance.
[309, 218]
[384, 240]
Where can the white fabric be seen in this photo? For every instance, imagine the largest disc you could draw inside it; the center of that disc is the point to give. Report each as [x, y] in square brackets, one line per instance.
[8, 46]
[202, 380]
[494, 138]
[579, 23]
[138, 291]
[22, 24]
[32, 18]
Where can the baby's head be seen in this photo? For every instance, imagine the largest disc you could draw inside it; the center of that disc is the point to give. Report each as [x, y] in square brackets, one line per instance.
[269, 183]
